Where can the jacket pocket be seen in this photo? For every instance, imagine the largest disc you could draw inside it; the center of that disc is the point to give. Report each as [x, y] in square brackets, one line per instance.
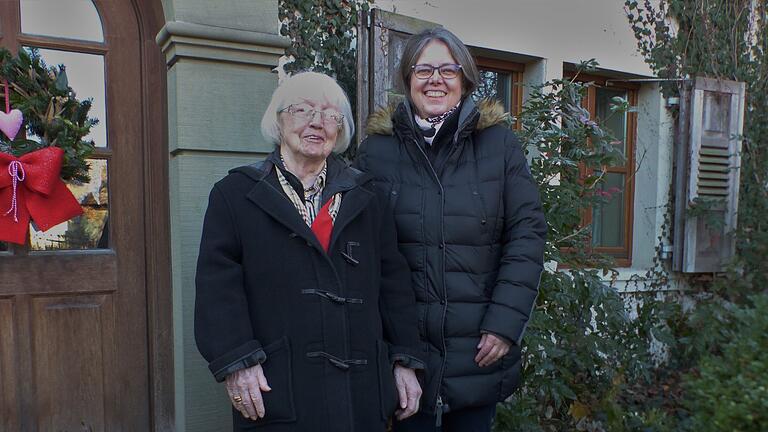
[480, 205]
[278, 403]
[387, 390]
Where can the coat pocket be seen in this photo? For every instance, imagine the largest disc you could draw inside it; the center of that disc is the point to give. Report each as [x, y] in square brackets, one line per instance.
[278, 403]
[482, 214]
[387, 390]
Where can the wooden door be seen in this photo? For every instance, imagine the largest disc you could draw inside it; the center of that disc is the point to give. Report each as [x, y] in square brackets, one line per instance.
[73, 306]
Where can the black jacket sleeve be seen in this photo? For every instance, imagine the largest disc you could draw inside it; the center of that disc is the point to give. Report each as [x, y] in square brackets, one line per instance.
[397, 301]
[223, 329]
[523, 236]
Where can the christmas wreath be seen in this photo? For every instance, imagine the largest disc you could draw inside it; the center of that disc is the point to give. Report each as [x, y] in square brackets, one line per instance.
[50, 148]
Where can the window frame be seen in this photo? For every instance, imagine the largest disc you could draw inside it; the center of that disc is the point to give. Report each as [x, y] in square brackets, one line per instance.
[515, 70]
[622, 254]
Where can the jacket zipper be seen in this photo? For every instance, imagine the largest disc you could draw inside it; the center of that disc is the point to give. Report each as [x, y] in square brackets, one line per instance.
[439, 406]
[439, 411]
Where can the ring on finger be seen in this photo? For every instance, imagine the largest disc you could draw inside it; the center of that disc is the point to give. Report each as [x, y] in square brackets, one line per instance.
[237, 398]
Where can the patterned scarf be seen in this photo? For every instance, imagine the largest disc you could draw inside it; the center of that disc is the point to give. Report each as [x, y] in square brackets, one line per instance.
[430, 125]
[319, 218]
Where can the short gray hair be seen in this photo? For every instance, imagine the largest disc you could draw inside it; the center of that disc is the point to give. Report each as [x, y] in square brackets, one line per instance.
[416, 44]
[308, 85]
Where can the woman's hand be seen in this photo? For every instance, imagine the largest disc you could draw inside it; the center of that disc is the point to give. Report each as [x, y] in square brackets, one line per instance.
[491, 349]
[244, 388]
[408, 390]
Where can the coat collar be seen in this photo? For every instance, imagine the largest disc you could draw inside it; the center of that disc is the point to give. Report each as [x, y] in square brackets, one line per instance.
[490, 112]
[267, 195]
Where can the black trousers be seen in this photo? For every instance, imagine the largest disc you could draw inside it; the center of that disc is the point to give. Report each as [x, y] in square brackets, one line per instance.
[475, 419]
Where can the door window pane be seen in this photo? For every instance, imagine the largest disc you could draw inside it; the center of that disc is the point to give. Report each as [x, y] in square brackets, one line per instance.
[608, 218]
[614, 122]
[85, 73]
[494, 85]
[72, 19]
[89, 231]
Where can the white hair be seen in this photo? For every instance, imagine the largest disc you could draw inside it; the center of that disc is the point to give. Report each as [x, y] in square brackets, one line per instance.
[312, 86]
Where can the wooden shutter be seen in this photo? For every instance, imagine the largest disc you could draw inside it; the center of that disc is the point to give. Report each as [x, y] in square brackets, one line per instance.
[381, 40]
[712, 114]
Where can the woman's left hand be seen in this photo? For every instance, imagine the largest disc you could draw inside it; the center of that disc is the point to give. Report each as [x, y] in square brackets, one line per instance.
[491, 349]
[408, 390]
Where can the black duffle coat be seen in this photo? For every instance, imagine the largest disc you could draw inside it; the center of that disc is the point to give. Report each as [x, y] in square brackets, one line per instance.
[326, 327]
[472, 230]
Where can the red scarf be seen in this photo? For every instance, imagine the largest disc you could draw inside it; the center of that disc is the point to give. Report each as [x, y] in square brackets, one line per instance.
[322, 226]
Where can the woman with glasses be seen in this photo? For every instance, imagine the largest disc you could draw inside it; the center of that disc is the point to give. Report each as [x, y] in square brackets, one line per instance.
[470, 224]
[304, 306]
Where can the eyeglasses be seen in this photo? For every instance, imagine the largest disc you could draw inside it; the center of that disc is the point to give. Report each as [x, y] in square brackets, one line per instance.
[425, 71]
[304, 113]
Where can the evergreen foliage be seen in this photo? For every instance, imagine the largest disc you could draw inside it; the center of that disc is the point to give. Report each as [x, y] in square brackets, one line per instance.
[53, 116]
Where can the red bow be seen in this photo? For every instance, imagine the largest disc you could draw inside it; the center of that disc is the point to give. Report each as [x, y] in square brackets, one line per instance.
[30, 188]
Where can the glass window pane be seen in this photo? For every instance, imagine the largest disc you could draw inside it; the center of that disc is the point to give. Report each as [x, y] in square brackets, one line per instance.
[72, 19]
[3, 247]
[608, 218]
[85, 73]
[494, 85]
[614, 122]
[89, 231]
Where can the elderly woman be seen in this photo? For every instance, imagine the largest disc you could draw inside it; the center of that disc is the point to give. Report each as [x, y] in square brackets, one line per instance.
[304, 306]
[470, 224]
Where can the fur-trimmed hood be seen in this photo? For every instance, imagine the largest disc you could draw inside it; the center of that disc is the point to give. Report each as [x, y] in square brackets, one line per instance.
[491, 113]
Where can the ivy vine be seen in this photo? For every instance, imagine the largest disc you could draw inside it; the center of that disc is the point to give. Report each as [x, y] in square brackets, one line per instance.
[324, 38]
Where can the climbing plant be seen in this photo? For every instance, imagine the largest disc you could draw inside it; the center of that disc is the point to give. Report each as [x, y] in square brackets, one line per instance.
[323, 38]
[716, 374]
[722, 39]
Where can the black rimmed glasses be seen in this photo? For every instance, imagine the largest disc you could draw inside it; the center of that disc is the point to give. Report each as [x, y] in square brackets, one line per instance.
[425, 71]
[305, 113]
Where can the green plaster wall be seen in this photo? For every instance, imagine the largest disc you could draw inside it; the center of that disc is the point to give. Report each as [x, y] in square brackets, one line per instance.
[250, 15]
[220, 56]
[219, 105]
[204, 402]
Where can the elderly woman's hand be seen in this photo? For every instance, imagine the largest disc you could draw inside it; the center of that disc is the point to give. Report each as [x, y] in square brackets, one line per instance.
[408, 390]
[490, 349]
[244, 388]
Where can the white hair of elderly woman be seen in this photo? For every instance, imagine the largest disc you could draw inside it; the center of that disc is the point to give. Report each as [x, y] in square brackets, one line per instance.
[308, 86]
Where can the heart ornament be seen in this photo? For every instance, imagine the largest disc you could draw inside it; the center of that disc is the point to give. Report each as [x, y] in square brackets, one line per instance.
[10, 123]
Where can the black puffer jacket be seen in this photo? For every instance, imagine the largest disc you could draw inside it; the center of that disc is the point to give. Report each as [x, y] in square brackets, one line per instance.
[473, 232]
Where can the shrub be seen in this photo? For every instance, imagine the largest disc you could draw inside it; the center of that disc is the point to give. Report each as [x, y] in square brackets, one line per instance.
[728, 391]
[581, 348]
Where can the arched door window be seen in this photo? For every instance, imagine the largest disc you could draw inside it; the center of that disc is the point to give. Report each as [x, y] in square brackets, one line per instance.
[70, 33]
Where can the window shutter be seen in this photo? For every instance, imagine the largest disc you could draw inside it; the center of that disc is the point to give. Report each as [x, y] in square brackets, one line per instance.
[715, 114]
